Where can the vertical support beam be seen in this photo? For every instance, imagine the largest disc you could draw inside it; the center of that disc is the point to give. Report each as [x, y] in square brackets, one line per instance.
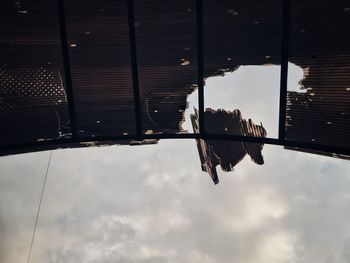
[135, 77]
[200, 66]
[67, 69]
[284, 69]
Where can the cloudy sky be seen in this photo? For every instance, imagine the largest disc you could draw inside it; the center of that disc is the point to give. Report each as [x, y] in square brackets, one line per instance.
[153, 204]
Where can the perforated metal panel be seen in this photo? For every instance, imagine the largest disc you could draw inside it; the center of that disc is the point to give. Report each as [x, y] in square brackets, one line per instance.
[26, 84]
[33, 103]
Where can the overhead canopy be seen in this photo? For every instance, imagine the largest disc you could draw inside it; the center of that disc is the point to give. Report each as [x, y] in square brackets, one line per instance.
[73, 72]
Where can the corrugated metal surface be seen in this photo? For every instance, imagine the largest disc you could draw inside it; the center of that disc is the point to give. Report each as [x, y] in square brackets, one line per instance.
[33, 103]
[208, 158]
[241, 33]
[235, 33]
[320, 44]
[98, 37]
[227, 153]
[167, 59]
[334, 155]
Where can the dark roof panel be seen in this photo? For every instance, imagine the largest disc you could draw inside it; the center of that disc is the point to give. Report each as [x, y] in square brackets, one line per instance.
[41, 107]
[98, 40]
[33, 102]
[167, 61]
[320, 44]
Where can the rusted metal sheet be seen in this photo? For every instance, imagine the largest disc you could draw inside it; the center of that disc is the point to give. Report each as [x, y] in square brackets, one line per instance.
[227, 154]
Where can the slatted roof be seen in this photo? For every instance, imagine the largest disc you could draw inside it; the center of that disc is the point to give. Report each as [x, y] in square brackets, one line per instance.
[77, 73]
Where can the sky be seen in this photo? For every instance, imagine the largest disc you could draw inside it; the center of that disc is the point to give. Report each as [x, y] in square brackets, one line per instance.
[154, 204]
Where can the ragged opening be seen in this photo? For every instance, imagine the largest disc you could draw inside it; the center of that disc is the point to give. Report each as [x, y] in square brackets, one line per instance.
[254, 90]
[243, 102]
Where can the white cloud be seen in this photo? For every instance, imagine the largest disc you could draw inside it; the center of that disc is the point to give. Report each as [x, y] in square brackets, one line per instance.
[256, 209]
[277, 247]
[99, 207]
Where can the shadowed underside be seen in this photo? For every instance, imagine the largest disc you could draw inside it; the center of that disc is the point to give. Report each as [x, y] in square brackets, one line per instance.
[69, 75]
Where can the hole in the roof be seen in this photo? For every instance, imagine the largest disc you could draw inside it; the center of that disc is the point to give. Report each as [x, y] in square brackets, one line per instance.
[296, 75]
[254, 90]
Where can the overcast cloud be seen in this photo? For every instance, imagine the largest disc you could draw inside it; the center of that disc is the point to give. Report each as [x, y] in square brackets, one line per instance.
[153, 203]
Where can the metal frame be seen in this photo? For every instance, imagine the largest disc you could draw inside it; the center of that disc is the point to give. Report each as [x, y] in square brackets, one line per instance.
[67, 68]
[284, 70]
[135, 77]
[78, 141]
[81, 142]
[200, 67]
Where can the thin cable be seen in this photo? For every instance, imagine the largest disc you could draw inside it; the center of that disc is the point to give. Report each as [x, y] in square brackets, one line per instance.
[38, 212]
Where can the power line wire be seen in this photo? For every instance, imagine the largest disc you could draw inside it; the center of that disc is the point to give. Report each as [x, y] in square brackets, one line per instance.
[38, 212]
